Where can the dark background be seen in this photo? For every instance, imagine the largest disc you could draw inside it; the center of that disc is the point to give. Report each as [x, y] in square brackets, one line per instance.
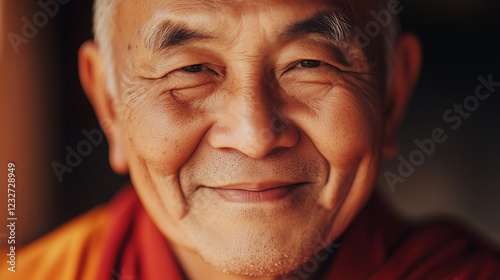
[461, 40]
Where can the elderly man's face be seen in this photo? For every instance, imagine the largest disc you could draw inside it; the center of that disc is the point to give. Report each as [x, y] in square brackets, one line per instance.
[252, 128]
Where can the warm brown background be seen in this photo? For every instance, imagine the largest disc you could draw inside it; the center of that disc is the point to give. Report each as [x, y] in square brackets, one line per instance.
[43, 110]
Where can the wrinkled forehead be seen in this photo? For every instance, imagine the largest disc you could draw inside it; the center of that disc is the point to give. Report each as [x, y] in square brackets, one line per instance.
[220, 8]
[145, 14]
[136, 21]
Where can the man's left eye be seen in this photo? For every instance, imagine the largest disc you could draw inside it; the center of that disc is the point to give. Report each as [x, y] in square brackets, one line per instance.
[309, 64]
[194, 68]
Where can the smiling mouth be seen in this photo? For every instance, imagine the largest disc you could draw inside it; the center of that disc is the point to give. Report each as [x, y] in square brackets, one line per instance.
[255, 194]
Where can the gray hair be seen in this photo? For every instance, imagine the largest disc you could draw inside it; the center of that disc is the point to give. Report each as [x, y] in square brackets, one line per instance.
[103, 24]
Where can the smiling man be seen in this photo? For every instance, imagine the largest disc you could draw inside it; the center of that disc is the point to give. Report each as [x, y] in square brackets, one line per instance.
[252, 132]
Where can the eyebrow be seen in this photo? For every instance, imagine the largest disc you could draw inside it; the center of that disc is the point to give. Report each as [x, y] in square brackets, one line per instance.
[329, 24]
[168, 34]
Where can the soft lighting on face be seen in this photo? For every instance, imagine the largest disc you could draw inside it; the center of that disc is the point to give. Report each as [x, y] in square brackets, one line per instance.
[249, 136]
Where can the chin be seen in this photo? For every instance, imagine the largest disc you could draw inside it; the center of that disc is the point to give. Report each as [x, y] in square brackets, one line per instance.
[261, 241]
[259, 256]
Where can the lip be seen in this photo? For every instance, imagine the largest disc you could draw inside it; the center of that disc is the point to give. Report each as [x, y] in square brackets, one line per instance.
[260, 192]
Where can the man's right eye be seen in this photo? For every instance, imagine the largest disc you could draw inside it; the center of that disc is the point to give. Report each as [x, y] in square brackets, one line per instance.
[194, 68]
[309, 63]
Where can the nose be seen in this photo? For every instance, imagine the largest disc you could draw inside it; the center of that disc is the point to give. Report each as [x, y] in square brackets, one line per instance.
[252, 123]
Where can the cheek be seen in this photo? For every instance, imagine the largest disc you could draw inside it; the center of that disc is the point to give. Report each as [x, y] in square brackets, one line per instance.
[341, 125]
[160, 134]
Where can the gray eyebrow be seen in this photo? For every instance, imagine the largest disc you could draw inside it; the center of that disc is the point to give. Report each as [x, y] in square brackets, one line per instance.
[168, 34]
[330, 24]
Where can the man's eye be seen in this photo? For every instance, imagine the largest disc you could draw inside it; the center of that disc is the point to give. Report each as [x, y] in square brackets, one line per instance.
[309, 63]
[194, 68]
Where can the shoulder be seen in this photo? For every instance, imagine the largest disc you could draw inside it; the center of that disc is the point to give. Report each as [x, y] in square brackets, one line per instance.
[92, 246]
[389, 248]
[441, 250]
[68, 252]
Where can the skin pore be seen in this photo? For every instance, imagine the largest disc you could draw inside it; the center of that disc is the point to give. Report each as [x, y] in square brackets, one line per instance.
[217, 99]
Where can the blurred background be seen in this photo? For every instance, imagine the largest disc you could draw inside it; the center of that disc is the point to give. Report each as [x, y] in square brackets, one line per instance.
[43, 111]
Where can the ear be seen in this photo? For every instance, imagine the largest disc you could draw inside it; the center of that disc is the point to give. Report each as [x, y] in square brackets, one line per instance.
[405, 72]
[93, 79]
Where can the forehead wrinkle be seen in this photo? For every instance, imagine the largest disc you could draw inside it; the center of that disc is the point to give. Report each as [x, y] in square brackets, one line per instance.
[177, 12]
[219, 6]
[169, 33]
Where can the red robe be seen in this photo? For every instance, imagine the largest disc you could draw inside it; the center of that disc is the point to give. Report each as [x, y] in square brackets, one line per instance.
[120, 242]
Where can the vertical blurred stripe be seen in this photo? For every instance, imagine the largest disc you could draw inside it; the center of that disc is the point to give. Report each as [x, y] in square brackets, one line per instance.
[25, 124]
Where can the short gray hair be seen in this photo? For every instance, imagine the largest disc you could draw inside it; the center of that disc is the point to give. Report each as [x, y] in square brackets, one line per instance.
[103, 24]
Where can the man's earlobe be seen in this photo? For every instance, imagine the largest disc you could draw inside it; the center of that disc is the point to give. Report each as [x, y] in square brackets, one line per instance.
[93, 79]
[405, 72]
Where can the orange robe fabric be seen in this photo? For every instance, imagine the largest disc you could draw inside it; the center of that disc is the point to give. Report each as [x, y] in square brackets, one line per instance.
[120, 242]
